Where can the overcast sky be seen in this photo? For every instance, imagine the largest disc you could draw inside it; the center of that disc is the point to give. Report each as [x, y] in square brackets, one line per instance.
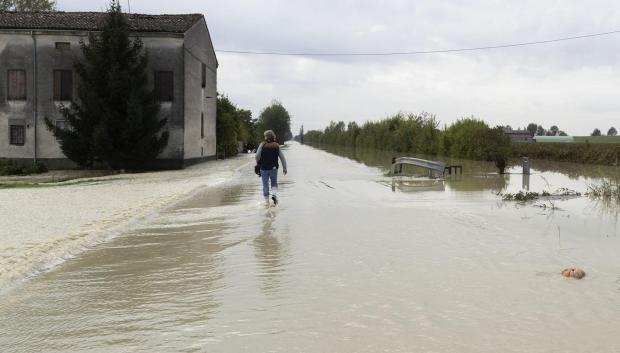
[573, 84]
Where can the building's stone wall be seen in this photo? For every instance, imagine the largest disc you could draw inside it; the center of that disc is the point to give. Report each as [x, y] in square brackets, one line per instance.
[200, 101]
[49, 59]
[16, 53]
[166, 54]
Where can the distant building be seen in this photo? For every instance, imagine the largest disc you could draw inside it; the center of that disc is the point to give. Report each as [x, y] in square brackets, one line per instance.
[554, 139]
[578, 139]
[518, 135]
[37, 52]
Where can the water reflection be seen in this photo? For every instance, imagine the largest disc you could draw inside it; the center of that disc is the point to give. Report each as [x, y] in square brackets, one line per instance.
[416, 185]
[482, 176]
[478, 176]
[605, 207]
[484, 182]
[577, 170]
[383, 159]
[525, 184]
[272, 252]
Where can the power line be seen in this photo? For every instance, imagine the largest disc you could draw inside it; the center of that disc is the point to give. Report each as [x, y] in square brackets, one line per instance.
[249, 52]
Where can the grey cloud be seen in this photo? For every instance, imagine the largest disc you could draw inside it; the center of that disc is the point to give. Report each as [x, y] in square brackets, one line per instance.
[572, 84]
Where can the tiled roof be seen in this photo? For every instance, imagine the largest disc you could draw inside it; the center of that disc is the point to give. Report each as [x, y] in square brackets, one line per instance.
[93, 21]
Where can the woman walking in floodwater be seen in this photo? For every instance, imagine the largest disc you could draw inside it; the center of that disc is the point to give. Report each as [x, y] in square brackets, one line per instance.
[267, 156]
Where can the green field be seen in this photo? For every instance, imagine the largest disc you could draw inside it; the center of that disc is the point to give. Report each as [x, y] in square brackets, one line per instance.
[598, 139]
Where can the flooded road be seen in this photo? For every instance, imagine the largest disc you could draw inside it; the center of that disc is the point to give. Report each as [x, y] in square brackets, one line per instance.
[348, 262]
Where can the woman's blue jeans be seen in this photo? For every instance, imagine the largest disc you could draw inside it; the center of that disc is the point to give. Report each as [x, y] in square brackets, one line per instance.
[266, 175]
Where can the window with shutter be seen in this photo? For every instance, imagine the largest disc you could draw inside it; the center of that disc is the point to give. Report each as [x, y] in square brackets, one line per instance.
[63, 85]
[164, 86]
[16, 81]
[17, 135]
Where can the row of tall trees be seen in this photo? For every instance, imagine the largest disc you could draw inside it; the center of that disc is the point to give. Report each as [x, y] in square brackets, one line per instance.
[420, 134]
[538, 130]
[401, 133]
[611, 132]
[236, 128]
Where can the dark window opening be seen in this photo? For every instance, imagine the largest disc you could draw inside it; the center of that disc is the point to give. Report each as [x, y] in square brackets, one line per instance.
[204, 75]
[17, 135]
[164, 86]
[16, 82]
[63, 45]
[63, 85]
[62, 125]
[202, 125]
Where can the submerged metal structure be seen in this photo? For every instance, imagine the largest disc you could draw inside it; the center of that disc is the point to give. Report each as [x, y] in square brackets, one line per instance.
[432, 166]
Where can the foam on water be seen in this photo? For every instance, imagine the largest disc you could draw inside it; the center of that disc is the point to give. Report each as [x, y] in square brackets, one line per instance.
[43, 228]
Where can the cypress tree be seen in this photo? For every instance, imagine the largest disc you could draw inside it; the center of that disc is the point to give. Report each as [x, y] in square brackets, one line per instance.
[116, 117]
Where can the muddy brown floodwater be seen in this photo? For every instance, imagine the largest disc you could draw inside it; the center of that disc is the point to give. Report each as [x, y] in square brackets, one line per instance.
[348, 262]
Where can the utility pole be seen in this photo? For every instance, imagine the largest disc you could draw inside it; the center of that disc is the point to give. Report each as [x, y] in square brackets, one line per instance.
[128, 6]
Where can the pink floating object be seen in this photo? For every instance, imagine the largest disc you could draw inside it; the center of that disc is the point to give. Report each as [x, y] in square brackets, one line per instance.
[574, 273]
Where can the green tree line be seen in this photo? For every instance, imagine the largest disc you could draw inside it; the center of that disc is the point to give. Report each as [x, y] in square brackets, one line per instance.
[234, 126]
[467, 138]
[237, 129]
[401, 133]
